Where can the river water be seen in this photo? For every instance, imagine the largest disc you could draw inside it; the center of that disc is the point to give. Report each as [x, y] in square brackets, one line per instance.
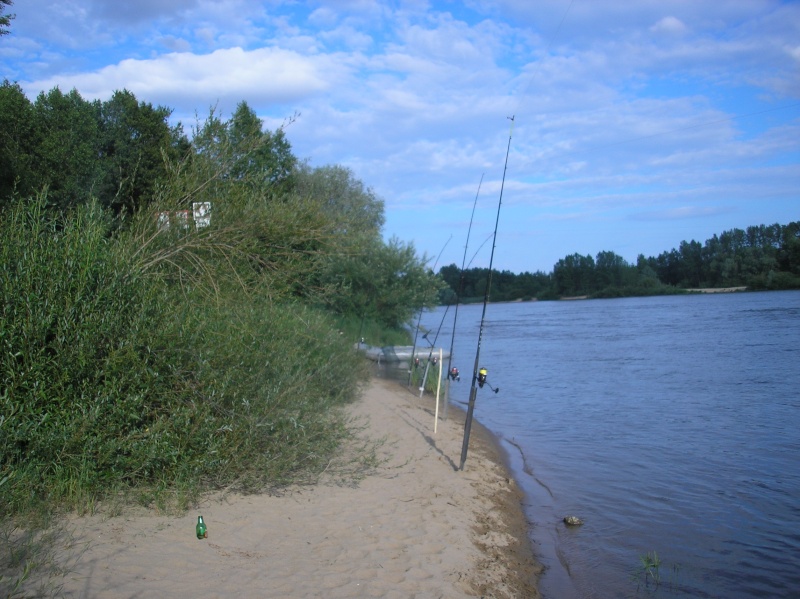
[669, 425]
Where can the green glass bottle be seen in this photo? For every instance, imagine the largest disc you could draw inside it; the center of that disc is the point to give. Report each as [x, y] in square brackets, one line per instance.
[202, 533]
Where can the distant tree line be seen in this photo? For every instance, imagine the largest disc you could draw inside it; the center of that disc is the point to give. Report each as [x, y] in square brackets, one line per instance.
[760, 257]
[506, 286]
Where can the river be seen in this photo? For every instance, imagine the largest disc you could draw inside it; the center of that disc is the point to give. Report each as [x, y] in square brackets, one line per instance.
[669, 425]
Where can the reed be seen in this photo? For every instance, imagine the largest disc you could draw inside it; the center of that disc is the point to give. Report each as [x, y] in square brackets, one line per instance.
[649, 573]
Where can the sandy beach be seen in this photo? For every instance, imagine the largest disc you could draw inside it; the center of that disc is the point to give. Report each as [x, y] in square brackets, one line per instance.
[413, 527]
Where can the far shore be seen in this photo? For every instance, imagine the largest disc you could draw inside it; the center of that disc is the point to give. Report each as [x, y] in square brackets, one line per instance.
[415, 526]
[717, 290]
[568, 298]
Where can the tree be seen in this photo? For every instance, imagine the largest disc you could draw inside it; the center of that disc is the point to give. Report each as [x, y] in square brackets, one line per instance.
[79, 149]
[133, 137]
[610, 270]
[789, 252]
[356, 209]
[265, 156]
[66, 147]
[386, 283]
[691, 264]
[668, 267]
[574, 275]
[5, 19]
[17, 143]
[646, 276]
[451, 274]
[711, 260]
[239, 154]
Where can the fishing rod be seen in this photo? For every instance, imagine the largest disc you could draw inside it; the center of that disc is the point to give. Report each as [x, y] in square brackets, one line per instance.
[430, 353]
[479, 374]
[419, 318]
[450, 374]
[450, 369]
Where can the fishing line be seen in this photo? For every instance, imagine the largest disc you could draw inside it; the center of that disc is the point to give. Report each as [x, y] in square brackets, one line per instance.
[421, 310]
[459, 292]
[441, 322]
[476, 372]
[455, 317]
[436, 337]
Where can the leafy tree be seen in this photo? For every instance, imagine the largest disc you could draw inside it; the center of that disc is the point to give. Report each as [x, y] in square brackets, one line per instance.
[751, 257]
[451, 274]
[759, 257]
[788, 255]
[646, 277]
[356, 209]
[133, 137]
[266, 155]
[668, 267]
[574, 275]
[610, 270]
[274, 246]
[66, 144]
[692, 271]
[17, 143]
[505, 284]
[386, 283]
[240, 157]
[533, 285]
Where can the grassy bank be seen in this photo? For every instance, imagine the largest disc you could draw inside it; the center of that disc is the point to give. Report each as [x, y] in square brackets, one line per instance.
[117, 378]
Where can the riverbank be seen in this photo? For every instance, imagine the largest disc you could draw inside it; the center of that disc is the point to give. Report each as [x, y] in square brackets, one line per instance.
[718, 290]
[413, 527]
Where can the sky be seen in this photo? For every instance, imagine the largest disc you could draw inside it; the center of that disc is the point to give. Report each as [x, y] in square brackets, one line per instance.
[637, 124]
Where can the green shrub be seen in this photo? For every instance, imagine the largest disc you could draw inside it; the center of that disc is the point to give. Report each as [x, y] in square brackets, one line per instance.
[117, 376]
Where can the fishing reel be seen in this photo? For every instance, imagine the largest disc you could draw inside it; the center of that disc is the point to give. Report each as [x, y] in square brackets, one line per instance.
[482, 373]
[454, 374]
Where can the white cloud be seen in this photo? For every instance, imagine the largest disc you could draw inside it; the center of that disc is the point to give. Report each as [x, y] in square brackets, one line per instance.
[264, 75]
[669, 25]
[323, 17]
[347, 37]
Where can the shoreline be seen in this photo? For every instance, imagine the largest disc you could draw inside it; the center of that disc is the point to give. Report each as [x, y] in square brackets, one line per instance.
[413, 526]
[519, 557]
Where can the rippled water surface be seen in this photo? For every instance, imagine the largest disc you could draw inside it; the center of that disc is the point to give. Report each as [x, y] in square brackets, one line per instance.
[669, 425]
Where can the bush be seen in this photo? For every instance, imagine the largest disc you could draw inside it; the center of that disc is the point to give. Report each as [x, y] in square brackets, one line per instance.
[118, 378]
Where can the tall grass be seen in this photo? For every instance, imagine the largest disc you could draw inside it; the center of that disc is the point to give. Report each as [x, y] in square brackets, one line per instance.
[156, 370]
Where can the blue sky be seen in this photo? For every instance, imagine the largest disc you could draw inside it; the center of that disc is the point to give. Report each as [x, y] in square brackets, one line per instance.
[638, 124]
